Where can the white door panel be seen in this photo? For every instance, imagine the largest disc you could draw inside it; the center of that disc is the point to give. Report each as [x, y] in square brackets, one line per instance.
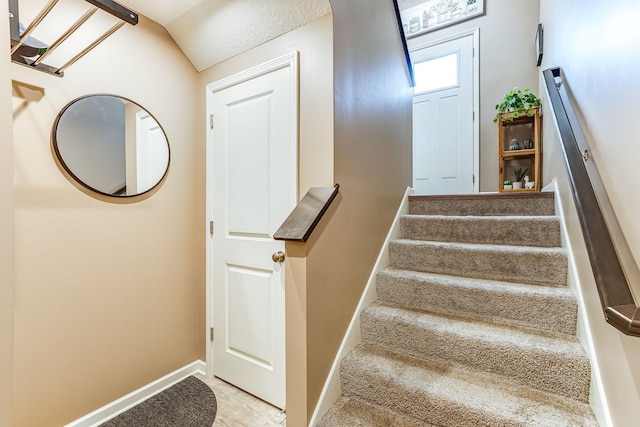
[449, 142]
[249, 320]
[443, 128]
[253, 143]
[152, 156]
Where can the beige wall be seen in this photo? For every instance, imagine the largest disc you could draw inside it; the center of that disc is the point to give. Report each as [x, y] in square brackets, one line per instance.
[107, 294]
[372, 156]
[507, 60]
[314, 41]
[599, 53]
[596, 46]
[6, 229]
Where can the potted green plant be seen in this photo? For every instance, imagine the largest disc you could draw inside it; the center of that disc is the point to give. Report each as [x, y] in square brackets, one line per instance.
[519, 102]
[507, 185]
[519, 173]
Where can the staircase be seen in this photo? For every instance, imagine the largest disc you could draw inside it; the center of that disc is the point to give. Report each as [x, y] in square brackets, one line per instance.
[474, 324]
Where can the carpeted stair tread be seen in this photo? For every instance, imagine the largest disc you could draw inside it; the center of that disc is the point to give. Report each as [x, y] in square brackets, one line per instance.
[546, 308]
[355, 413]
[533, 265]
[539, 361]
[542, 231]
[446, 395]
[484, 204]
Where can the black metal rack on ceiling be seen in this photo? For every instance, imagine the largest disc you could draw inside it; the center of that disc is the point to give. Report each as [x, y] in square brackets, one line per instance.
[30, 52]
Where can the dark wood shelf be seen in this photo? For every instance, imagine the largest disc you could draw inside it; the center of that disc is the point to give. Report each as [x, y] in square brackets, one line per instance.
[303, 219]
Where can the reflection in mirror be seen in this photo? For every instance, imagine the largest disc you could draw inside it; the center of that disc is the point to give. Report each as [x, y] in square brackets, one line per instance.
[111, 145]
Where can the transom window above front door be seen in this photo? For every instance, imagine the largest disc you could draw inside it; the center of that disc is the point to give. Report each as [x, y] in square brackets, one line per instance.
[437, 73]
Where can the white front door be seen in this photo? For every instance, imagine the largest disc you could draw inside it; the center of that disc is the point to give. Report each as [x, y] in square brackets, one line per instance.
[252, 188]
[443, 118]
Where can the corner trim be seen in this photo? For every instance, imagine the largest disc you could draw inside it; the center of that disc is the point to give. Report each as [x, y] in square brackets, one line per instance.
[124, 403]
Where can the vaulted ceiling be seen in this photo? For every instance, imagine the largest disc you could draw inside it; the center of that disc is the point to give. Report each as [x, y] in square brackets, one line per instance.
[210, 31]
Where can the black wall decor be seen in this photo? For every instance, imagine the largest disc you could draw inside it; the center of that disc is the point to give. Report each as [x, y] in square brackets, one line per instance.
[539, 44]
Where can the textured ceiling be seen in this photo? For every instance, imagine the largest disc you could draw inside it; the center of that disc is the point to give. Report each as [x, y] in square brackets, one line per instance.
[210, 31]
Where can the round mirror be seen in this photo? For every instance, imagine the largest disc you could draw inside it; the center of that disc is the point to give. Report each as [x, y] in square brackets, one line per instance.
[111, 145]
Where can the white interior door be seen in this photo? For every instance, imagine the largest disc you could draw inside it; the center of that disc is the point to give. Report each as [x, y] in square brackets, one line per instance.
[252, 189]
[444, 147]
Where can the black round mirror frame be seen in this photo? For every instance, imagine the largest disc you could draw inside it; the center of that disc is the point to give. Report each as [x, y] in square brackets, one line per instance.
[77, 118]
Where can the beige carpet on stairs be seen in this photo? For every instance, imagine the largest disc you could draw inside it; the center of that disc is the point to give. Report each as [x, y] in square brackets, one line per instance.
[474, 323]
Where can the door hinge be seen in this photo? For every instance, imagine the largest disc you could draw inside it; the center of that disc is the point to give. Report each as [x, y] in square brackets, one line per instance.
[211, 228]
[473, 180]
[473, 116]
[211, 334]
[211, 120]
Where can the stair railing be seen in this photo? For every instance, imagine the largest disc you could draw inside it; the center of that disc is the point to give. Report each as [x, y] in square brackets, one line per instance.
[611, 259]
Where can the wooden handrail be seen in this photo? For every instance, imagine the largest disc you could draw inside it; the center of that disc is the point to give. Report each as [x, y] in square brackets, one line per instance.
[611, 260]
[305, 217]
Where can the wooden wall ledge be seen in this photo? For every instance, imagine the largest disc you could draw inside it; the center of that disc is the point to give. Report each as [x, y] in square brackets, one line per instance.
[305, 217]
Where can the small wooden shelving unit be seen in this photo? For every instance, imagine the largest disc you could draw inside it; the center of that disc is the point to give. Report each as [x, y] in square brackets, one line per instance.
[521, 128]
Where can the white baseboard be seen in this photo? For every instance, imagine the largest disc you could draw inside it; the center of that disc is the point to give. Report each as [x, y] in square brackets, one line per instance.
[119, 406]
[333, 387]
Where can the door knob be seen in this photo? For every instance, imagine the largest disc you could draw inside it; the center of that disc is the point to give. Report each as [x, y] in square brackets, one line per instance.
[278, 256]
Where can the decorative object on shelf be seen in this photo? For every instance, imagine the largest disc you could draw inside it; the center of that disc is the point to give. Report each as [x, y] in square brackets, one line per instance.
[528, 184]
[517, 102]
[528, 144]
[434, 14]
[507, 185]
[414, 24]
[514, 145]
[519, 174]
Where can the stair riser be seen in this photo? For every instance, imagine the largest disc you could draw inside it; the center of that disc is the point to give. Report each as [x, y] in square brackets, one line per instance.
[563, 373]
[543, 267]
[541, 232]
[500, 205]
[386, 392]
[540, 311]
[356, 413]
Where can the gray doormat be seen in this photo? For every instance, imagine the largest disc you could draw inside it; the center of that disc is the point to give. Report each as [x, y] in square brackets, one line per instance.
[189, 403]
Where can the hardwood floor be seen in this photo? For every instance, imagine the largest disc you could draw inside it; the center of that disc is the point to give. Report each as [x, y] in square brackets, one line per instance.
[237, 408]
